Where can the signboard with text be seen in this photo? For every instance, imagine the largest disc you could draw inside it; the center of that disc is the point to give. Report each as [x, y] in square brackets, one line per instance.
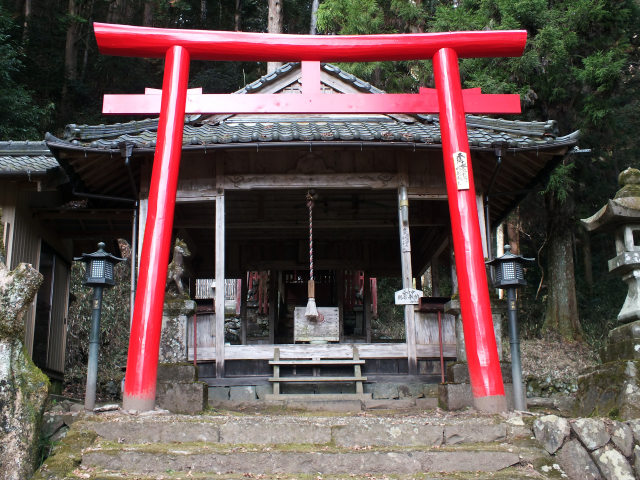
[408, 296]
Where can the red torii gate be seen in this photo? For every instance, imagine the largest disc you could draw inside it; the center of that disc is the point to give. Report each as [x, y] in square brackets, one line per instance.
[178, 47]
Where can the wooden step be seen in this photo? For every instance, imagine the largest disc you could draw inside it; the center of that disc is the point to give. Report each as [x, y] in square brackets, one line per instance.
[317, 379]
[346, 361]
[318, 397]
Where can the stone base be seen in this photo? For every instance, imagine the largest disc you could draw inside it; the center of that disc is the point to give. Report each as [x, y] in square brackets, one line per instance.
[456, 396]
[188, 398]
[177, 372]
[623, 343]
[611, 389]
[173, 339]
[458, 372]
[179, 391]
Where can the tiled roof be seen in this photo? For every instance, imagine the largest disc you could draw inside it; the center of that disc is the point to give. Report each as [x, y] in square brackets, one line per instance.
[25, 158]
[483, 132]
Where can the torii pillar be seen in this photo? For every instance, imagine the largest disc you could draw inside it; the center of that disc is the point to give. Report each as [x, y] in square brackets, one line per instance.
[449, 100]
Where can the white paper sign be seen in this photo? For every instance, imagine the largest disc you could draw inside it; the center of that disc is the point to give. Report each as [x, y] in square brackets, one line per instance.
[462, 170]
[408, 296]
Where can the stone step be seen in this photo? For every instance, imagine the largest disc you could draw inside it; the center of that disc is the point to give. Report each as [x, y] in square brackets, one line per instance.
[245, 460]
[404, 445]
[343, 431]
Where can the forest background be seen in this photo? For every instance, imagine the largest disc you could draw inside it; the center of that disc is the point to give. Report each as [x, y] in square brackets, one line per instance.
[580, 68]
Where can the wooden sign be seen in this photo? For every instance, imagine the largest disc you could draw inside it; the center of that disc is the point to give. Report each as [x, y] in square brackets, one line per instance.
[408, 296]
[462, 170]
[326, 328]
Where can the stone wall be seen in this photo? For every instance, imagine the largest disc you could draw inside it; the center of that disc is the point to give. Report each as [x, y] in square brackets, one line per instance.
[592, 448]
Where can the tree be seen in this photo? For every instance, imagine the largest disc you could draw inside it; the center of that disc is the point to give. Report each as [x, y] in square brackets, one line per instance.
[274, 25]
[20, 117]
[579, 68]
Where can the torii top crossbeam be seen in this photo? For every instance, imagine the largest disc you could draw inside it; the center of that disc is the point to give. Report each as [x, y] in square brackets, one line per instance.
[180, 46]
[132, 41]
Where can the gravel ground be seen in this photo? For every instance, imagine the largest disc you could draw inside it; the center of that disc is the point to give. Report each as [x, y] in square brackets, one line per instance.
[553, 363]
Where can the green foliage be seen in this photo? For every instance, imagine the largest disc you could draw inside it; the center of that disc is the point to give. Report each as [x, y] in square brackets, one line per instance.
[389, 325]
[560, 182]
[114, 333]
[351, 17]
[20, 117]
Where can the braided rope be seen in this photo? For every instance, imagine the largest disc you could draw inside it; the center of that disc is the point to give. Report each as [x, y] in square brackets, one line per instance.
[310, 207]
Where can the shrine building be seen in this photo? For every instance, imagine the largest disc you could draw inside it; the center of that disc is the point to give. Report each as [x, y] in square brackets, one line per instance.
[59, 198]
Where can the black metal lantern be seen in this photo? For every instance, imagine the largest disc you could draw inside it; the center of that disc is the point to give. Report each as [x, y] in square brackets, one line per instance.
[99, 275]
[509, 275]
[508, 269]
[99, 267]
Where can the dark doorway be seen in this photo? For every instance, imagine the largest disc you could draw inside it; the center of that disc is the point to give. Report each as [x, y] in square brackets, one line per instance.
[43, 307]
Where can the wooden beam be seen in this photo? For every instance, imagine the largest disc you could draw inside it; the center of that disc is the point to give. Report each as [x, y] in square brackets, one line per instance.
[289, 181]
[219, 255]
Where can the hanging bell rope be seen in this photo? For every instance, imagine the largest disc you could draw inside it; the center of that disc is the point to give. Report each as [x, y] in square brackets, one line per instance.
[311, 313]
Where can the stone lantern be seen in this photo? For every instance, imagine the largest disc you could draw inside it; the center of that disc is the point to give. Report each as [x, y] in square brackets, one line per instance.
[622, 215]
[614, 386]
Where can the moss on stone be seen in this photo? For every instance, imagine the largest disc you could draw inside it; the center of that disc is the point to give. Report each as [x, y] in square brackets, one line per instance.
[630, 176]
[629, 192]
[66, 456]
[17, 288]
[23, 387]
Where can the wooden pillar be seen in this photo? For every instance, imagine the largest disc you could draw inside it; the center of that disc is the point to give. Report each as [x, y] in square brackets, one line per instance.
[407, 276]
[435, 276]
[219, 248]
[142, 222]
[243, 309]
[238, 291]
[340, 287]
[367, 307]
[273, 295]
[454, 273]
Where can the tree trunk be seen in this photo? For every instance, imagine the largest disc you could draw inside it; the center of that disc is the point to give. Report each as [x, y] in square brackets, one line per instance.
[27, 21]
[314, 17]
[203, 10]
[237, 16]
[513, 231]
[586, 257]
[274, 26]
[70, 55]
[561, 315]
[87, 36]
[147, 16]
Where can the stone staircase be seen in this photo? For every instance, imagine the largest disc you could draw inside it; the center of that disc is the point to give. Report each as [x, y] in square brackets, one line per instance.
[288, 445]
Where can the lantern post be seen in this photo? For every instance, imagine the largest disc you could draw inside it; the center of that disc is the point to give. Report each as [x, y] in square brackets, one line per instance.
[509, 275]
[99, 274]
